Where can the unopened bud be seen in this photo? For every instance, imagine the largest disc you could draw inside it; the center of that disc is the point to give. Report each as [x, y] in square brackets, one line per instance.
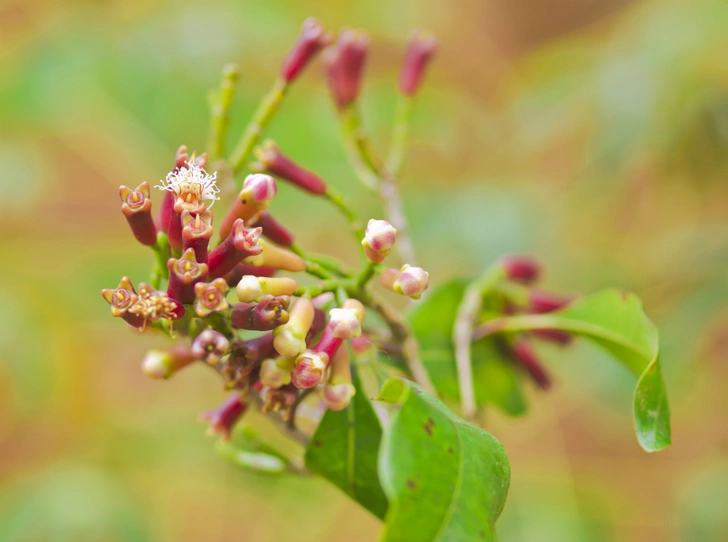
[419, 53]
[290, 339]
[275, 373]
[272, 229]
[309, 369]
[265, 315]
[240, 270]
[271, 160]
[137, 208]
[223, 418]
[277, 258]
[251, 287]
[210, 346]
[162, 364]
[379, 238]
[344, 323]
[311, 40]
[258, 190]
[524, 354]
[558, 336]
[409, 281]
[241, 243]
[338, 391]
[345, 65]
[540, 301]
[521, 269]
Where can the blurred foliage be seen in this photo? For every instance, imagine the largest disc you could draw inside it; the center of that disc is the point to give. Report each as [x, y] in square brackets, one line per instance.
[593, 137]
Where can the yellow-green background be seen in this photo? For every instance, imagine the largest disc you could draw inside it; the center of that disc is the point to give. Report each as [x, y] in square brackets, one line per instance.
[591, 134]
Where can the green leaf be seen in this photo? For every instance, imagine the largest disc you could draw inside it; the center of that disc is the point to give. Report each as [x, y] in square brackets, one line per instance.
[616, 321]
[445, 478]
[495, 380]
[344, 450]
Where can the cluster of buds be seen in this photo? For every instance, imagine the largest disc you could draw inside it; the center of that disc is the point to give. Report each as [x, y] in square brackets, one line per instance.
[281, 335]
[522, 273]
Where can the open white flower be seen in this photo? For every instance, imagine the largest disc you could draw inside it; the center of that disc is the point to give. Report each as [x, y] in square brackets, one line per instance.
[191, 183]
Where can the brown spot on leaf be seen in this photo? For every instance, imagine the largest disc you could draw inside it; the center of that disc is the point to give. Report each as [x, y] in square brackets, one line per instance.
[450, 451]
[317, 444]
[412, 484]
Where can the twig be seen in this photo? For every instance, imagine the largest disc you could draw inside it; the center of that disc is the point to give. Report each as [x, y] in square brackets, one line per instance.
[220, 117]
[263, 115]
[401, 334]
[343, 204]
[291, 423]
[400, 133]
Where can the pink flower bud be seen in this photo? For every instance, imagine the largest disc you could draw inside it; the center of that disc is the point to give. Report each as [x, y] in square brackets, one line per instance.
[419, 54]
[338, 396]
[524, 354]
[311, 40]
[276, 373]
[409, 281]
[210, 346]
[344, 323]
[184, 273]
[379, 238]
[223, 418]
[272, 229]
[521, 268]
[196, 233]
[345, 65]
[137, 208]
[249, 289]
[309, 369]
[238, 245]
[271, 160]
[162, 364]
[261, 188]
[211, 297]
[356, 306]
[361, 344]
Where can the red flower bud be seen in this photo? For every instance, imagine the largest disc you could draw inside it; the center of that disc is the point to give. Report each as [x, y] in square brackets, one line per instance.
[184, 273]
[137, 208]
[265, 315]
[524, 354]
[419, 54]
[345, 65]
[338, 391]
[257, 349]
[241, 270]
[165, 212]
[239, 244]
[272, 229]
[311, 40]
[310, 367]
[409, 281]
[271, 160]
[557, 336]
[223, 418]
[210, 346]
[541, 301]
[521, 269]
[258, 190]
[196, 233]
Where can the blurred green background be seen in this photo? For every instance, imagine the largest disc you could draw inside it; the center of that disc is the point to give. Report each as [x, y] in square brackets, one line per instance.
[591, 134]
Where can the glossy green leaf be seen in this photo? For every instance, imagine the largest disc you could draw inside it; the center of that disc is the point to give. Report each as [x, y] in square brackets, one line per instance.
[344, 450]
[446, 479]
[616, 321]
[495, 380]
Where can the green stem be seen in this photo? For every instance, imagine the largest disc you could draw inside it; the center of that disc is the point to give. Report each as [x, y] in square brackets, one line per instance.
[330, 285]
[468, 312]
[161, 251]
[264, 114]
[358, 149]
[220, 117]
[400, 134]
[366, 274]
[342, 203]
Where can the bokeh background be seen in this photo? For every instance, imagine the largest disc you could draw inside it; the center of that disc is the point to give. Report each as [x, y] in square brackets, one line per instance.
[591, 134]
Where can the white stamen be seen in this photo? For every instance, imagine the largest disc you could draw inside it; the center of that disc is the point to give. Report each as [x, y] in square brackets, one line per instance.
[192, 179]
